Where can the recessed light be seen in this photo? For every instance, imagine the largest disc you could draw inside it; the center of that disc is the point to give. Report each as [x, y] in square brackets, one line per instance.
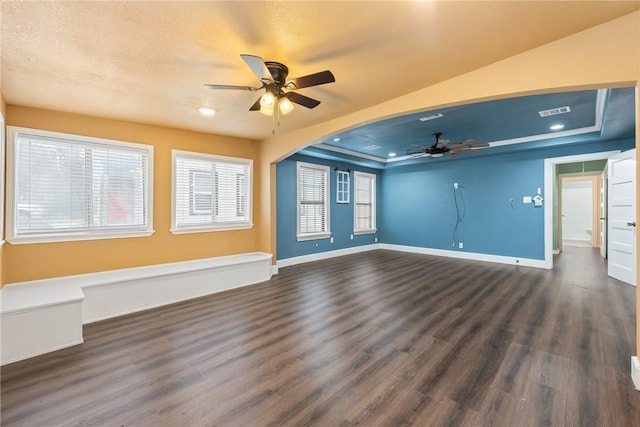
[392, 154]
[336, 139]
[431, 117]
[557, 126]
[207, 111]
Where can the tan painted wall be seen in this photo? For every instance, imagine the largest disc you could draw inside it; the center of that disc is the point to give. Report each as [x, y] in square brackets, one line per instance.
[37, 261]
[607, 55]
[603, 56]
[3, 109]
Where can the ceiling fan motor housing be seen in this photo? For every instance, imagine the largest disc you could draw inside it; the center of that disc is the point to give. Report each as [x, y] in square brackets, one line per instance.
[278, 71]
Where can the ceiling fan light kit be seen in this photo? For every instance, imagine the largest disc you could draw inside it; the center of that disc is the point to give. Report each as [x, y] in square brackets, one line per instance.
[278, 90]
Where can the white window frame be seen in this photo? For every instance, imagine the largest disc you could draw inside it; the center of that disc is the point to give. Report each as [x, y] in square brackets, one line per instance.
[327, 226]
[371, 178]
[13, 132]
[215, 226]
[2, 179]
[343, 186]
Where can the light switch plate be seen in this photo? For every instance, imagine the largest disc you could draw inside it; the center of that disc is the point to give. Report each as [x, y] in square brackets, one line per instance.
[526, 199]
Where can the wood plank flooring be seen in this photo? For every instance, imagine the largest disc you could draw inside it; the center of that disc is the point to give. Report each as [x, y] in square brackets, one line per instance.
[374, 339]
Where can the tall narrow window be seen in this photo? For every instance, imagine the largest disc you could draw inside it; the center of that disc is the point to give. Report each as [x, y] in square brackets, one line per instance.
[70, 187]
[364, 211]
[313, 201]
[210, 192]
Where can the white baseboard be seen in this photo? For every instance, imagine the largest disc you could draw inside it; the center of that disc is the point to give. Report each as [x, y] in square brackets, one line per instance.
[635, 372]
[46, 315]
[326, 255]
[526, 262]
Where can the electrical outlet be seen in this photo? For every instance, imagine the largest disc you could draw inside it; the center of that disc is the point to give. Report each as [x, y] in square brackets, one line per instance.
[351, 237]
[375, 240]
[455, 185]
[331, 240]
[453, 245]
[460, 245]
[316, 245]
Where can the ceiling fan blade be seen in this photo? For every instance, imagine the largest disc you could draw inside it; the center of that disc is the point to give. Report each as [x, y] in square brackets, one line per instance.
[256, 105]
[416, 149]
[258, 67]
[305, 101]
[420, 155]
[480, 145]
[442, 142]
[323, 77]
[232, 87]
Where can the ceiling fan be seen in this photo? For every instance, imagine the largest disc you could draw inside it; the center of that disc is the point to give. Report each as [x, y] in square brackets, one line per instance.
[442, 147]
[279, 90]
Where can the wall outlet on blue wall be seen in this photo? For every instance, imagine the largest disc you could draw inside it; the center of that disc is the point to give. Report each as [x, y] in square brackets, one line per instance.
[460, 245]
[351, 237]
[331, 240]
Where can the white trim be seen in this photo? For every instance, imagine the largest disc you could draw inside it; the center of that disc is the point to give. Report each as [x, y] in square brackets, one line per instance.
[312, 236]
[74, 235]
[327, 202]
[350, 152]
[45, 315]
[549, 188]
[274, 270]
[229, 227]
[635, 372]
[218, 226]
[371, 178]
[525, 262]
[286, 262]
[77, 236]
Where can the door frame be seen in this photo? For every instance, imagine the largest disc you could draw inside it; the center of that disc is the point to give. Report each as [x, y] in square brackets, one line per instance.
[550, 189]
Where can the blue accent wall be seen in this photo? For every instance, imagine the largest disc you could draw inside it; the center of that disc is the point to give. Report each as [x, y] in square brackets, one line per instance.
[341, 215]
[418, 207]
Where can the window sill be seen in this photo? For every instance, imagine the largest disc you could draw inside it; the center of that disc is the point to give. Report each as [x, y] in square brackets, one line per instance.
[207, 229]
[315, 236]
[56, 238]
[358, 232]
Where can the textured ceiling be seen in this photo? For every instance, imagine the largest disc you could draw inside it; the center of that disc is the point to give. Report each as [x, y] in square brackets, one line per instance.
[147, 61]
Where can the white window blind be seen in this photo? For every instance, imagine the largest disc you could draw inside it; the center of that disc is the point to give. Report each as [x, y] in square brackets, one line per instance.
[313, 201]
[68, 187]
[210, 192]
[364, 212]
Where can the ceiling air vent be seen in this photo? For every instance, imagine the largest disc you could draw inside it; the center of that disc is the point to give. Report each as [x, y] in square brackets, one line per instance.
[371, 147]
[554, 111]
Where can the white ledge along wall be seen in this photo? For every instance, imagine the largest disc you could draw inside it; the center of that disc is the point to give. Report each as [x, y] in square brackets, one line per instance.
[607, 55]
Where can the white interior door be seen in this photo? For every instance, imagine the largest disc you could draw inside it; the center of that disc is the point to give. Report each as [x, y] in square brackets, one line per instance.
[621, 171]
[603, 213]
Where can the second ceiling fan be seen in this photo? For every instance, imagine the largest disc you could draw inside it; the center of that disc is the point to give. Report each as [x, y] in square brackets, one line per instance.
[279, 95]
[442, 147]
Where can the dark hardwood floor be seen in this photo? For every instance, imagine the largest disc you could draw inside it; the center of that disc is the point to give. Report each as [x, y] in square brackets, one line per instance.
[374, 339]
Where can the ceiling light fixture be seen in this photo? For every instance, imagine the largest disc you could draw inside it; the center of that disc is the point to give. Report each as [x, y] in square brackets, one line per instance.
[336, 139]
[431, 117]
[268, 103]
[557, 126]
[207, 111]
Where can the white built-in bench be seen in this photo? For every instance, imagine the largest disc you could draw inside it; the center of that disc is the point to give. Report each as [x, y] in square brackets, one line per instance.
[41, 316]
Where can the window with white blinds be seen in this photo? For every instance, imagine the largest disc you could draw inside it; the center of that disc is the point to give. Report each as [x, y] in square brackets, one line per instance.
[70, 187]
[364, 210]
[210, 192]
[313, 201]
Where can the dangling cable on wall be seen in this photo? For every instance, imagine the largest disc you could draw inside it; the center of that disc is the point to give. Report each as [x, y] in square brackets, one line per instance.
[460, 212]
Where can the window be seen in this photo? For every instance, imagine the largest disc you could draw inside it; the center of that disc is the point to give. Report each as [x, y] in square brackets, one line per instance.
[313, 201]
[364, 211]
[69, 187]
[210, 193]
[342, 186]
